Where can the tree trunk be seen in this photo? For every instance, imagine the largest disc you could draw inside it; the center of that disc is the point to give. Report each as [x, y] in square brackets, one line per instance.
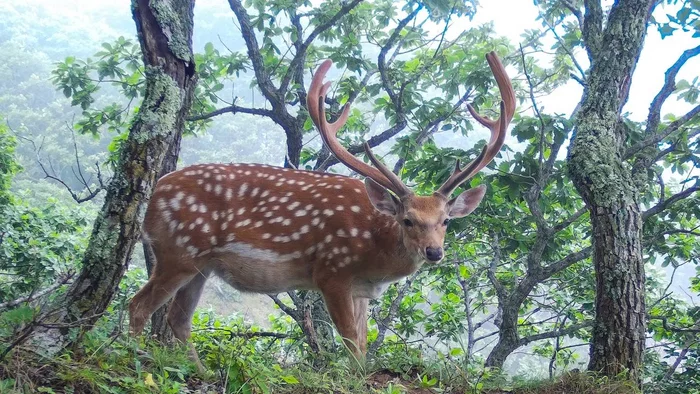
[508, 339]
[606, 185]
[159, 327]
[619, 331]
[165, 32]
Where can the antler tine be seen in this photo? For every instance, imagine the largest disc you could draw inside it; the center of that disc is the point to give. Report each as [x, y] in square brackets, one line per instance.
[393, 178]
[498, 128]
[315, 102]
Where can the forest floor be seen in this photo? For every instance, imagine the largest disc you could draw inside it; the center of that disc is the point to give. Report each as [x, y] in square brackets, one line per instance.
[26, 372]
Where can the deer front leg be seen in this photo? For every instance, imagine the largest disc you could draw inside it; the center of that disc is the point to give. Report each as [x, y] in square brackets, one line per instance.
[339, 301]
[360, 305]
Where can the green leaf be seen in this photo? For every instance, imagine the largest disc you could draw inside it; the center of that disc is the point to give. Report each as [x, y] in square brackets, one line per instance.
[289, 379]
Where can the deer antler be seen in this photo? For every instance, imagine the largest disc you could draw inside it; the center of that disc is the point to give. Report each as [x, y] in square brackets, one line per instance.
[498, 128]
[315, 102]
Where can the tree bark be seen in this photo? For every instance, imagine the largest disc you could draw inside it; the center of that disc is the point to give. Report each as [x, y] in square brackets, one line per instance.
[606, 184]
[165, 33]
[159, 327]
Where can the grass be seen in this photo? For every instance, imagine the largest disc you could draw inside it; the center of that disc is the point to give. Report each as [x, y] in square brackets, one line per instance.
[107, 362]
[573, 383]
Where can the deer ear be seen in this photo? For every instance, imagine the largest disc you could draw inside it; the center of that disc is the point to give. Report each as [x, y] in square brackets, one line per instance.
[466, 202]
[382, 200]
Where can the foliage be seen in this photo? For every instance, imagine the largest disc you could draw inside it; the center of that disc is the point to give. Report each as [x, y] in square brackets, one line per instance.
[37, 243]
[8, 165]
[432, 330]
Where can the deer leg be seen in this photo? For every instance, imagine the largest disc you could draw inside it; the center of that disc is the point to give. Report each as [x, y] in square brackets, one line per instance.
[181, 311]
[339, 302]
[360, 306]
[159, 288]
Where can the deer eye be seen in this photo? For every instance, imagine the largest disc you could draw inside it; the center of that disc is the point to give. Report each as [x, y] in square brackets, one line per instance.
[408, 223]
[445, 222]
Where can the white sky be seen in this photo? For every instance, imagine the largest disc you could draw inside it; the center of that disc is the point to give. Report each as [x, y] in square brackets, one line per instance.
[510, 17]
[656, 57]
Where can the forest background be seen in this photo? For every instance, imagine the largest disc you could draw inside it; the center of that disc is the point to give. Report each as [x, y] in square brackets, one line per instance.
[71, 80]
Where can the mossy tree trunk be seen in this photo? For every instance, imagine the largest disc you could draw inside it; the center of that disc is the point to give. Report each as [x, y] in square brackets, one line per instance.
[165, 33]
[606, 184]
[159, 325]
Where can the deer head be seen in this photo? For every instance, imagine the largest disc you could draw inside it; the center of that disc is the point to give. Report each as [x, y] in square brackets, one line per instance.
[422, 219]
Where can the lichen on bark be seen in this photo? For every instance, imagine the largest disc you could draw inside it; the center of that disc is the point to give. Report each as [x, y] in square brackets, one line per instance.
[160, 107]
[174, 25]
[605, 182]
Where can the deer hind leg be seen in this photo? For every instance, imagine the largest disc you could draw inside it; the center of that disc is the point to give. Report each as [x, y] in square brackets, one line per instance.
[159, 289]
[181, 311]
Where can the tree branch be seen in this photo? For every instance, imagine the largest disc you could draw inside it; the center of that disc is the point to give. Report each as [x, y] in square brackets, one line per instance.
[565, 263]
[381, 64]
[65, 279]
[568, 221]
[660, 136]
[251, 42]
[695, 329]
[654, 116]
[592, 27]
[662, 205]
[501, 292]
[298, 60]
[555, 333]
[575, 11]
[234, 109]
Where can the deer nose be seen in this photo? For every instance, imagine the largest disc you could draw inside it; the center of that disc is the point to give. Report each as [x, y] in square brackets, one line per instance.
[433, 254]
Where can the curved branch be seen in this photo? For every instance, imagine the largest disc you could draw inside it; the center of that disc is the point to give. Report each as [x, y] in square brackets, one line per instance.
[381, 63]
[556, 333]
[251, 42]
[232, 109]
[300, 55]
[658, 137]
[669, 201]
[669, 86]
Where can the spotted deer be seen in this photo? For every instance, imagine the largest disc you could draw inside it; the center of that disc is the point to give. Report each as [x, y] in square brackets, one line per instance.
[267, 229]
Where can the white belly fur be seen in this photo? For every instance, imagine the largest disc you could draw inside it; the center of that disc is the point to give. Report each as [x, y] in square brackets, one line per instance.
[265, 272]
[367, 289]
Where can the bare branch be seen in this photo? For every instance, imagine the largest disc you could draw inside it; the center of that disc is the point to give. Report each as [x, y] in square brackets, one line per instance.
[662, 205]
[52, 174]
[262, 77]
[298, 60]
[654, 116]
[566, 262]
[232, 109]
[556, 333]
[62, 280]
[660, 136]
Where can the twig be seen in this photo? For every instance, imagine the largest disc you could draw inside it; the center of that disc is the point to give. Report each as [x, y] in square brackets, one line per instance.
[62, 281]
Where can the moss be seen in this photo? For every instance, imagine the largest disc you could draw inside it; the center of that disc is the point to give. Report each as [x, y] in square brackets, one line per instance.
[175, 19]
[160, 108]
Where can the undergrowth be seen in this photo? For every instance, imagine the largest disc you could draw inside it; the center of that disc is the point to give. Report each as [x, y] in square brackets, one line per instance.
[238, 360]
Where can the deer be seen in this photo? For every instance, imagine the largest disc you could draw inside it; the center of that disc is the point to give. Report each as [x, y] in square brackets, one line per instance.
[269, 230]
